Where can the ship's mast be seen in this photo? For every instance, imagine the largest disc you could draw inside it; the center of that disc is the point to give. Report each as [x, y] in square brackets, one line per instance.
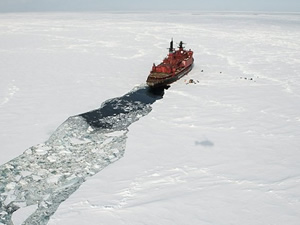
[171, 49]
[181, 45]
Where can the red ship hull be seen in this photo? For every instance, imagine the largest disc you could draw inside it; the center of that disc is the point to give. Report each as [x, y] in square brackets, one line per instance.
[156, 82]
[177, 64]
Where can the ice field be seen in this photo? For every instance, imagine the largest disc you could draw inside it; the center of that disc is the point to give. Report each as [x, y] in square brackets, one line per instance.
[222, 150]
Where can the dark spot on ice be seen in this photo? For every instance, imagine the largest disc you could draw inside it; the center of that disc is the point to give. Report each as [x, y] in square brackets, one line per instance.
[205, 143]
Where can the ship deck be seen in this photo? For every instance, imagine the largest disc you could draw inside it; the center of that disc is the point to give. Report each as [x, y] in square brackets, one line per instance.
[160, 75]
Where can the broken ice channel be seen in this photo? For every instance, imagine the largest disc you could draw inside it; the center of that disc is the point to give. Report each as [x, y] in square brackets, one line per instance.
[47, 174]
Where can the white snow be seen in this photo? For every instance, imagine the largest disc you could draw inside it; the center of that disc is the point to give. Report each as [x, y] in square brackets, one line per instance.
[225, 150]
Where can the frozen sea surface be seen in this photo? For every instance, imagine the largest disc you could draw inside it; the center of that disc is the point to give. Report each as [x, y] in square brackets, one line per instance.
[222, 151]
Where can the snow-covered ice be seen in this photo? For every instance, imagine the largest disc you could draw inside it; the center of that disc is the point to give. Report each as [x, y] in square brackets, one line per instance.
[224, 150]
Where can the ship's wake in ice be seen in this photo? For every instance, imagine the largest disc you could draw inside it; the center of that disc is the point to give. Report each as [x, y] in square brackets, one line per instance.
[47, 174]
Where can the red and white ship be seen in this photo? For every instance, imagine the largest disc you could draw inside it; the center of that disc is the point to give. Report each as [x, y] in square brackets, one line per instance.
[177, 64]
